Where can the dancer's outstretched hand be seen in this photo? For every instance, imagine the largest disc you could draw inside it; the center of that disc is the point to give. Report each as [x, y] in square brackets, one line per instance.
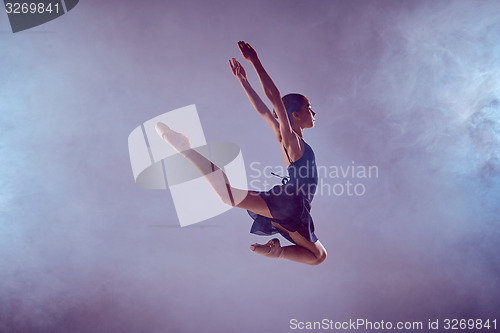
[247, 52]
[237, 69]
[177, 140]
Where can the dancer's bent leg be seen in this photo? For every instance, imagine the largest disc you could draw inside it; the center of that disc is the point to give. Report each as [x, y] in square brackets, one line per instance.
[304, 251]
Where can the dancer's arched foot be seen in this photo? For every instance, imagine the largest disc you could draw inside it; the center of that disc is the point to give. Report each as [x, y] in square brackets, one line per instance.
[271, 249]
[177, 140]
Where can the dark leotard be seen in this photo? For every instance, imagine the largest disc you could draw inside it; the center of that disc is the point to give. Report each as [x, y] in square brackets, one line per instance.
[290, 204]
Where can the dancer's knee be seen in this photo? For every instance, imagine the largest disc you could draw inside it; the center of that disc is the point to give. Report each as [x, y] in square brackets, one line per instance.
[231, 197]
[227, 200]
[234, 197]
[320, 256]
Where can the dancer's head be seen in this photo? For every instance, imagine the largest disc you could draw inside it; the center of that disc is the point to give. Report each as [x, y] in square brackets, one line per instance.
[298, 109]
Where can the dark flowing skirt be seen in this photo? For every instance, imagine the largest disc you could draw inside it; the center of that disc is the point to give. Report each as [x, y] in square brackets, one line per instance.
[289, 209]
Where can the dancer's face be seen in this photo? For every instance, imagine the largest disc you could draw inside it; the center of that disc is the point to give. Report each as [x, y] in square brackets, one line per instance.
[306, 116]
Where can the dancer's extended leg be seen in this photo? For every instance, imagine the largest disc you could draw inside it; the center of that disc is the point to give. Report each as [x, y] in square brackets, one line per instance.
[240, 198]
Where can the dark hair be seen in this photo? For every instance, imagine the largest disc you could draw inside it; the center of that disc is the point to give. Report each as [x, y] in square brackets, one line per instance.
[294, 103]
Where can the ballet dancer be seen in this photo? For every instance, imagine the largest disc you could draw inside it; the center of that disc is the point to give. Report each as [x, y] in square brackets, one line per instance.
[284, 209]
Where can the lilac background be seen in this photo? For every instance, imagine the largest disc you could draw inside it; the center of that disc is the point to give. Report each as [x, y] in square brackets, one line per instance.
[412, 87]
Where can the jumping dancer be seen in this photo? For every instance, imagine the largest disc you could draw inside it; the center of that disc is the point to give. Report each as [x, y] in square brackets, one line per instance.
[284, 209]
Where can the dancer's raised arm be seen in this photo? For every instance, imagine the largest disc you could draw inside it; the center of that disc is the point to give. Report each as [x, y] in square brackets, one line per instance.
[273, 94]
[254, 98]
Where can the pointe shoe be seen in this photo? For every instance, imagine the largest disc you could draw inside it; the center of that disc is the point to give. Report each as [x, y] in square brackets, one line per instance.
[177, 140]
[271, 249]
[162, 130]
